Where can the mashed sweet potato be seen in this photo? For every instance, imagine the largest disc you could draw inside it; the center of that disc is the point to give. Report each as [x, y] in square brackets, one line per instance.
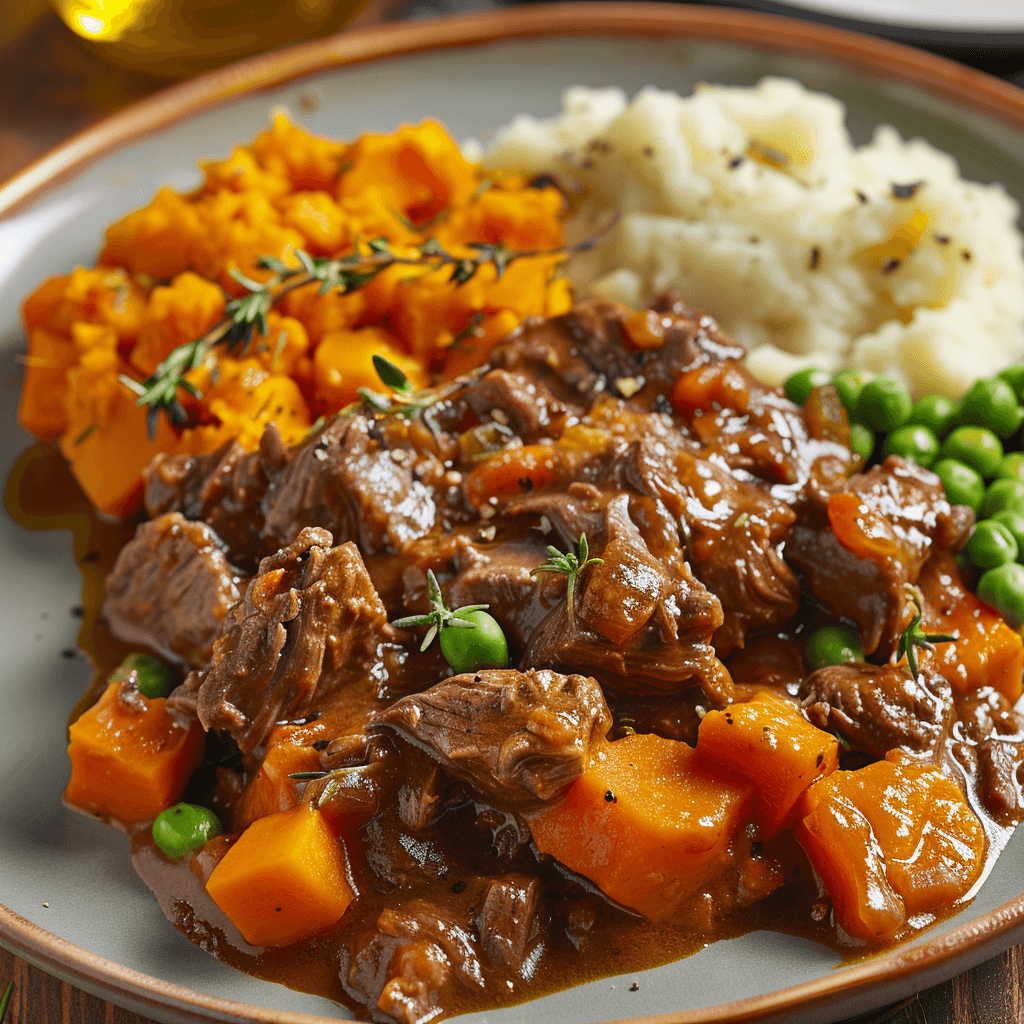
[164, 276]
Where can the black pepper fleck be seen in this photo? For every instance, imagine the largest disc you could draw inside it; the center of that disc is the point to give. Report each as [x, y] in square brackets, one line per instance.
[647, 151]
[966, 256]
[458, 887]
[91, 556]
[735, 162]
[942, 239]
[906, 191]
[68, 652]
[863, 198]
[76, 611]
[610, 797]
[815, 259]
[890, 265]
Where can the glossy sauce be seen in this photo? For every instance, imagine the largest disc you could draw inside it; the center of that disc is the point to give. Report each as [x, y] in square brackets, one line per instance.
[587, 938]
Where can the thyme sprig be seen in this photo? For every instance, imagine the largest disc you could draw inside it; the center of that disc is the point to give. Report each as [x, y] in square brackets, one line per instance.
[440, 615]
[914, 636]
[247, 314]
[5, 1001]
[572, 563]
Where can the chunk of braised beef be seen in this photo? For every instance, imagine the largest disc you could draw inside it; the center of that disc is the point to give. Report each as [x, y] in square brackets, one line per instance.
[580, 355]
[529, 410]
[224, 489]
[510, 923]
[172, 588]
[989, 740]
[903, 516]
[310, 623]
[879, 708]
[519, 739]
[346, 480]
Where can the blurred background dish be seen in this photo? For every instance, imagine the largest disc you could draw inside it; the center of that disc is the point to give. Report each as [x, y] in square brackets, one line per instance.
[177, 38]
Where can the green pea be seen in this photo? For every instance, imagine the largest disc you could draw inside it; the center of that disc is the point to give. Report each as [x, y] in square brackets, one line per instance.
[834, 645]
[154, 678]
[974, 446]
[1003, 495]
[801, 383]
[1014, 376]
[1003, 588]
[963, 484]
[936, 412]
[1014, 522]
[991, 403]
[468, 650]
[912, 441]
[883, 405]
[991, 544]
[1011, 467]
[862, 440]
[849, 384]
[183, 828]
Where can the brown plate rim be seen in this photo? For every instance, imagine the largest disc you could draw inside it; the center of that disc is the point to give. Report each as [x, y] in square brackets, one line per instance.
[962, 86]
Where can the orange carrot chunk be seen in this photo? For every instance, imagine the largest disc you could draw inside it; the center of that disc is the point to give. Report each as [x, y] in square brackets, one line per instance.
[988, 652]
[649, 822]
[769, 741]
[509, 473]
[271, 788]
[131, 760]
[891, 840]
[284, 879]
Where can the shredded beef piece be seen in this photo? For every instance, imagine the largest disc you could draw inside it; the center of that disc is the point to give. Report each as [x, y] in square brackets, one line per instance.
[910, 516]
[225, 489]
[509, 923]
[990, 743]
[518, 738]
[879, 708]
[310, 623]
[344, 479]
[172, 588]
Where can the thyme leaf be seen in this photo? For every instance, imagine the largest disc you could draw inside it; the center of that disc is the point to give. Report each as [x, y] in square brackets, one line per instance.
[572, 564]
[5, 1001]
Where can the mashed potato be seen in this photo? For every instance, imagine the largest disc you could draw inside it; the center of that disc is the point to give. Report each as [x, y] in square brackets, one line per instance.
[755, 204]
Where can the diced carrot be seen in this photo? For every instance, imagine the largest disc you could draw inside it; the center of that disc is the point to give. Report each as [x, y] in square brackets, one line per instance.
[988, 652]
[49, 358]
[284, 879]
[649, 822]
[343, 363]
[713, 384]
[645, 329]
[891, 840]
[860, 530]
[769, 741]
[108, 459]
[511, 472]
[271, 789]
[131, 762]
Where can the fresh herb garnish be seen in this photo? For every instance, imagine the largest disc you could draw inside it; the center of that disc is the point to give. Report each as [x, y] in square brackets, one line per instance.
[914, 636]
[440, 615]
[571, 563]
[247, 314]
[4, 1002]
[404, 400]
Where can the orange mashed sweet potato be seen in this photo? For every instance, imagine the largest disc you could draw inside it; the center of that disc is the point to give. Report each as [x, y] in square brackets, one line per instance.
[164, 276]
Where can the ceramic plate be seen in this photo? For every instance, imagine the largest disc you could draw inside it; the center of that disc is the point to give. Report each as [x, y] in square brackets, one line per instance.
[71, 901]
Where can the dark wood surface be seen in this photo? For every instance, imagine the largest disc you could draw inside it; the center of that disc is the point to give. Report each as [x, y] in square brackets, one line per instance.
[52, 87]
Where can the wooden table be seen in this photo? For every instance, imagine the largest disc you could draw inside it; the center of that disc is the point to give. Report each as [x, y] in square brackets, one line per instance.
[53, 87]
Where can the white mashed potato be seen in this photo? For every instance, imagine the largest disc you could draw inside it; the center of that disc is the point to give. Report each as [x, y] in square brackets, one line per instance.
[756, 206]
